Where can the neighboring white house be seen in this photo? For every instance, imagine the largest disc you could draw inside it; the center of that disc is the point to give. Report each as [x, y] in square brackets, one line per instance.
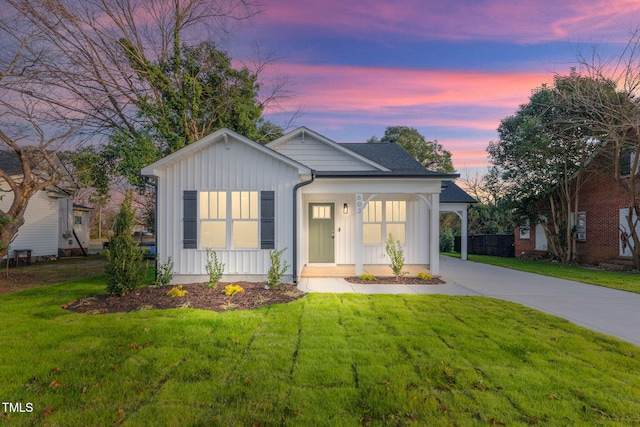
[326, 203]
[42, 231]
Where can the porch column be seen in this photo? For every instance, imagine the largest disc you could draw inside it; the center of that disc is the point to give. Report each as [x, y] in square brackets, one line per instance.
[434, 235]
[358, 242]
[464, 232]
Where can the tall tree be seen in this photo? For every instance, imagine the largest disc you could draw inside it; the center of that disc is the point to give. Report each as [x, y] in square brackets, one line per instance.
[541, 155]
[147, 74]
[32, 129]
[430, 154]
[613, 106]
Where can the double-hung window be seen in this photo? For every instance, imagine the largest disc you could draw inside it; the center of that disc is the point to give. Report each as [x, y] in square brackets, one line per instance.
[396, 219]
[213, 219]
[372, 223]
[229, 217]
[244, 219]
[381, 218]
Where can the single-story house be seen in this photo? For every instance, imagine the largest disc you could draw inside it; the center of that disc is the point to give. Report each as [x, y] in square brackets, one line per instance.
[603, 207]
[324, 203]
[49, 217]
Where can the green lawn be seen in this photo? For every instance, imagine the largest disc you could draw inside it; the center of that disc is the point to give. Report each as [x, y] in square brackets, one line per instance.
[335, 360]
[611, 279]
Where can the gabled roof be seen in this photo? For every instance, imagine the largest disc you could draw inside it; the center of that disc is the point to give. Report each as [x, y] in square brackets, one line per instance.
[451, 193]
[303, 131]
[221, 135]
[11, 164]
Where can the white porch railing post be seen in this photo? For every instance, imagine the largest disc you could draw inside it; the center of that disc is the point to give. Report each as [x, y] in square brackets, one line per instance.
[358, 243]
[434, 250]
[463, 237]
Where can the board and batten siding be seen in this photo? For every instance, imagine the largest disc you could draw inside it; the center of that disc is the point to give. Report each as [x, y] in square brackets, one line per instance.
[234, 166]
[40, 229]
[320, 156]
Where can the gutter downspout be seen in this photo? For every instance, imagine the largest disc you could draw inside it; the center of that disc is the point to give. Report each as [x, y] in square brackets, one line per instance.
[295, 223]
[153, 182]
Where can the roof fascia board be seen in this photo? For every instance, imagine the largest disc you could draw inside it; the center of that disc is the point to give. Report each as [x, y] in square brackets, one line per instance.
[216, 137]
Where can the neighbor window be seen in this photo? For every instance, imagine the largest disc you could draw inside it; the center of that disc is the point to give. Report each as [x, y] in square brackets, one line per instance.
[77, 220]
[237, 220]
[525, 230]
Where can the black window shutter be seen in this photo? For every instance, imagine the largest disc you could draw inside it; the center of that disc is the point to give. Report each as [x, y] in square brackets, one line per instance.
[190, 220]
[267, 220]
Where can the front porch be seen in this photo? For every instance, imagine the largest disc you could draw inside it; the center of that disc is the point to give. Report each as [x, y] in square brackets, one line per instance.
[348, 270]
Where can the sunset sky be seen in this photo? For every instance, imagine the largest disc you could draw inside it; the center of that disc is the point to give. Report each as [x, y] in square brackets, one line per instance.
[451, 69]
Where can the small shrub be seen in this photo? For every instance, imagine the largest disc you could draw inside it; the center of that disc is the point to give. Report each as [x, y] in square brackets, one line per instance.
[277, 269]
[366, 276]
[231, 290]
[165, 273]
[447, 241]
[215, 269]
[424, 276]
[394, 250]
[177, 292]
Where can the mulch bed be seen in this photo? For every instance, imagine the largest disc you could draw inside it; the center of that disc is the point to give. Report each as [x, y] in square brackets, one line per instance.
[199, 296]
[404, 280]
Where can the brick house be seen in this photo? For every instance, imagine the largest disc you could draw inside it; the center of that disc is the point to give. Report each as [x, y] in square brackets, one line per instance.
[602, 209]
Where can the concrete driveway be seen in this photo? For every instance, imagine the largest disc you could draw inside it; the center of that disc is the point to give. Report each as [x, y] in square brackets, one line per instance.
[605, 310]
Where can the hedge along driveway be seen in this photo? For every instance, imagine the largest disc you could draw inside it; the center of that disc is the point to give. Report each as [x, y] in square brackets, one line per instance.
[602, 309]
[323, 360]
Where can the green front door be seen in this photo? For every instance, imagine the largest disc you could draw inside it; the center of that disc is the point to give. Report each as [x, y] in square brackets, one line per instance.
[321, 232]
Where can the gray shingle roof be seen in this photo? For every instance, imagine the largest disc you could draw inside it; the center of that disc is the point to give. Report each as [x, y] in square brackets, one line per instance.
[451, 193]
[391, 156]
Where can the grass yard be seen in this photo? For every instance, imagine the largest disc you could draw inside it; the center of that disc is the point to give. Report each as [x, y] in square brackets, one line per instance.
[611, 279]
[335, 360]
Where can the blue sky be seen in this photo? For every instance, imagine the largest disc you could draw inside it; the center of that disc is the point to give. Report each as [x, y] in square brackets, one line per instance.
[451, 69]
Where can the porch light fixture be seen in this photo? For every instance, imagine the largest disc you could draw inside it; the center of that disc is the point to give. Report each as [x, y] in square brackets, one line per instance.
[345, 209]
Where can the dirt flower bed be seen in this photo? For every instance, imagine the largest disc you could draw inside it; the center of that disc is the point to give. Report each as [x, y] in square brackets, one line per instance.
[198, 296]
[404, 280]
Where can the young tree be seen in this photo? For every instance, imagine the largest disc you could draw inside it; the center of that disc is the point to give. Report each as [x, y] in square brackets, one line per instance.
[124, 259]
[541, 155]
[430, 154]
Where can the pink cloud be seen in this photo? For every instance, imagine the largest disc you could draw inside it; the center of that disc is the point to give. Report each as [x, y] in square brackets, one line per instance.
[525, 21]
[334, 88]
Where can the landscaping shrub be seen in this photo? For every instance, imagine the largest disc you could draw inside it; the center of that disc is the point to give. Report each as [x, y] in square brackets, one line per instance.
[277, 269]
[446, 240]
[366, 276]
[394, 250]
[231, 290]
[165, 272]
[424, 276]
[215, 269]
[177, 292]
[124, 259]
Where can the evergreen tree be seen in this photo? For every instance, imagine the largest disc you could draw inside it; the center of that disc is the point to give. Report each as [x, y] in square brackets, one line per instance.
[124, 259]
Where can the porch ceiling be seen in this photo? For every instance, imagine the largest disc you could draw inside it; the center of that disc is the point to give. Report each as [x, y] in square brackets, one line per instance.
[347, 270]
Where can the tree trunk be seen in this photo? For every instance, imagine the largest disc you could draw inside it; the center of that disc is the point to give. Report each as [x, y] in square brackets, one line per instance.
[7, 233]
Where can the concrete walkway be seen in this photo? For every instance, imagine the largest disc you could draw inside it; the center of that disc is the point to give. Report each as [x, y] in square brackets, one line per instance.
[605, 310]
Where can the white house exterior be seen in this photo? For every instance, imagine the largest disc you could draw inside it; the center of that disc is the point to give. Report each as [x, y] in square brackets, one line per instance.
[326, 203]
[42, 231]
